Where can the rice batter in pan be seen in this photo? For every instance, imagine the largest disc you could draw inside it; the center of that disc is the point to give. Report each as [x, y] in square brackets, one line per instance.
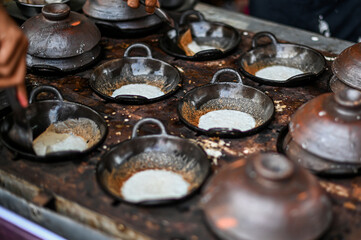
[278, 72]
[230, 119]
[144, 90]
[154, 185]
[195, 47]
[70, 135]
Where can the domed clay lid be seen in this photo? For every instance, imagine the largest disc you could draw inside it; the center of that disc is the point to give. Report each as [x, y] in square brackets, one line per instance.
[60, 33]
[265, 197]
[329, 126]
[347, 66]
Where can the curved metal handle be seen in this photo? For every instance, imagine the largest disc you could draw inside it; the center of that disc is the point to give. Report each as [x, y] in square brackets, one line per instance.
[46, 88]
[263, 34]
[188, 13]
[226, 70]
[138, 45]
[163, 132]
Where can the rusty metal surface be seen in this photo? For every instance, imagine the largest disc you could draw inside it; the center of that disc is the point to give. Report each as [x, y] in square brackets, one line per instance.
[73, 184]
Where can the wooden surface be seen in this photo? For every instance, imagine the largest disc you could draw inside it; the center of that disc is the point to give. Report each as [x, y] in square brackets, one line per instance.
[70, 188]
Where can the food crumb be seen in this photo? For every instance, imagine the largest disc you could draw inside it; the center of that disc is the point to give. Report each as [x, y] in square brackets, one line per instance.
[349, 205]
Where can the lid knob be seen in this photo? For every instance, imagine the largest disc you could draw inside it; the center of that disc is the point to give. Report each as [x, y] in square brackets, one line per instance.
[349, 98]
[348, 102]
[273, 167]
[56, 11]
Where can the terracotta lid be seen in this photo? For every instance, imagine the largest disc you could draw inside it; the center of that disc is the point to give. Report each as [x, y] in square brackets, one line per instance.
[329, 126]
[60, 33]
[347, 66]
[266, 197]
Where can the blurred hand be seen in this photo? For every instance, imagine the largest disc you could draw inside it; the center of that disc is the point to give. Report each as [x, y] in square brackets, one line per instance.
[13, 48]
[150, 4]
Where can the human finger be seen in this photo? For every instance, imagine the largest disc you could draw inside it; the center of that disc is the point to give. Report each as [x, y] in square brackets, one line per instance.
[19, 53]
[150, 5]
[133, 3]
[8, 44]
[19, 79]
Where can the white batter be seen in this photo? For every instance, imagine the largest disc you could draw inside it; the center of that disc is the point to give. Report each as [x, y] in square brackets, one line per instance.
[144, 90]
[194, 47]
[154, 185]
[49, 142]
[278, 72]
[227, 119]
[69, 135]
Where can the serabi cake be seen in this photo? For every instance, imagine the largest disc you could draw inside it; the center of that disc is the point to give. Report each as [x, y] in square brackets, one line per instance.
[70, 135]
[138, 89]
[154, 184]
[278, 72]
[229, 119]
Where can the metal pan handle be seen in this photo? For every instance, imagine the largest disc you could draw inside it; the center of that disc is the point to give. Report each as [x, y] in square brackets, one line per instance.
[46, 88]
[138, 45]
[188, 13]
[263, 34]
[163, 132]
[215, 77]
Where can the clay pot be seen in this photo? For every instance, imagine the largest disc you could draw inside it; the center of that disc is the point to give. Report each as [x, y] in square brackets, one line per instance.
[325, 133]
[347, 69]
[60, 40]
[266, 197]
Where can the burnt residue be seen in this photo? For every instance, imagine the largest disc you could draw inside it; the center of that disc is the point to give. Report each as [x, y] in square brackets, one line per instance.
[76, 181]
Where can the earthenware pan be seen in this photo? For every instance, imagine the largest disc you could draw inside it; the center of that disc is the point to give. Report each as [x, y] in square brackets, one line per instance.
[204, 33]
[225, 96]
[311, 62]
[135, 70]
[156, 151]
[45, 112]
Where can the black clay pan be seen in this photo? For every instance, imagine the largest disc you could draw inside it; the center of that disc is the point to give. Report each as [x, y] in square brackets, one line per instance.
[215, 34]
[135, 70]
[225, 96]
[309, 61]
[41, 114]
[159, 151]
